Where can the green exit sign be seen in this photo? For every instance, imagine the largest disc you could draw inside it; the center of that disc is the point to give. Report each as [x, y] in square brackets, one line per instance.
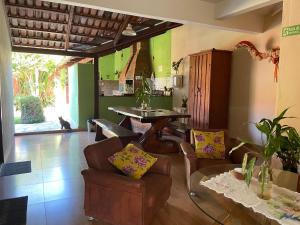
[292, 30]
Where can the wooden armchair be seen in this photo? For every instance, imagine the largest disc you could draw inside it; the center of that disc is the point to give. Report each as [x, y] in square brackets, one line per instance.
[118, 199]
[192, 163]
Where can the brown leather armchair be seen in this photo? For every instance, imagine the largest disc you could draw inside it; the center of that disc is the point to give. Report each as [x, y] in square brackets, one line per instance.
[118, 199]
[192, 163]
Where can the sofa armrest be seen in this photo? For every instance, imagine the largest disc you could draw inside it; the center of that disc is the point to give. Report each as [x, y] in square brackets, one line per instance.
[113, 181]
[190, 156]
[161, 166]
[190, 161]
[238, 155]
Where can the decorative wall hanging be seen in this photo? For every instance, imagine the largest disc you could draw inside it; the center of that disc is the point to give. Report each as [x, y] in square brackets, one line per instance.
[272, 55]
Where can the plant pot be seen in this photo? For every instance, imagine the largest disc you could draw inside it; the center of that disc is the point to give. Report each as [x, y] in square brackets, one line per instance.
[264, 188]
[144, 105]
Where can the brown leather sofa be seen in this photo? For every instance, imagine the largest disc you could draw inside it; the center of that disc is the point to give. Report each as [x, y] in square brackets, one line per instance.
[117, 199]
[192, 163]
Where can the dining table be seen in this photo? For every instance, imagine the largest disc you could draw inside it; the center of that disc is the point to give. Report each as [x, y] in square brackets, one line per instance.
[149, 123]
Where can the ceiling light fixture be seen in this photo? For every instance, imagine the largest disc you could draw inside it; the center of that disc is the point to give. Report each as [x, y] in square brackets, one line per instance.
[129, 31]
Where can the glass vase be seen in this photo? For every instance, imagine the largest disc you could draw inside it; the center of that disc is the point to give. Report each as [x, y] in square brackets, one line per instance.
[264, 189]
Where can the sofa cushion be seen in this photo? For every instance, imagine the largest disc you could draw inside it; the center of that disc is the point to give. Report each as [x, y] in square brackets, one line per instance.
[132, 161]
[209, 145]
[201, 163]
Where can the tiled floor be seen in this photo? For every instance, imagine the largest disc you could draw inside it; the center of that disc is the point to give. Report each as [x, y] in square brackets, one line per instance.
[37, 127]
[55, 187]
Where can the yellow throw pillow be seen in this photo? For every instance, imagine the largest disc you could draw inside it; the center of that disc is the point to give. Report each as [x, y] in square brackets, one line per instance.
[209, 145]
[132, 161]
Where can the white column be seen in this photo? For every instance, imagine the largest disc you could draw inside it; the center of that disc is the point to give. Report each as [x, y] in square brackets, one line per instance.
[289, 68]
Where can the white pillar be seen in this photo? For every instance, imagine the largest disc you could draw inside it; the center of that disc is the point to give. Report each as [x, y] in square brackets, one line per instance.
[289, 68]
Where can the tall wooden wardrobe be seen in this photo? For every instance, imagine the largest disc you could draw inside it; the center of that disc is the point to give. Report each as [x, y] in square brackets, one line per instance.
[209, 83]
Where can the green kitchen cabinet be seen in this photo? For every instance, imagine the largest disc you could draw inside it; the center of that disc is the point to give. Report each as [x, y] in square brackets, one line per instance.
[111, 65]
[107, 67]
[160, 52]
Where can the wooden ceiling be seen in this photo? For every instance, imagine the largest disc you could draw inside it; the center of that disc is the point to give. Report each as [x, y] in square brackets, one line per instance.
[53, 28]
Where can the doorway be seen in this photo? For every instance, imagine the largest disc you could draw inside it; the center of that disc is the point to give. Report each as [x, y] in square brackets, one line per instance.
[40, 92]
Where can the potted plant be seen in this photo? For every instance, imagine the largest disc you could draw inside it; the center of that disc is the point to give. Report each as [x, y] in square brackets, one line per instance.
[176, 64]
[184, 102]
[143, 93]
[289, 153]
[282, 140]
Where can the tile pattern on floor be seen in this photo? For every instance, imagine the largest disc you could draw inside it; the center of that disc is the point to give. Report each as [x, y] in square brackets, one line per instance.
[55, 187]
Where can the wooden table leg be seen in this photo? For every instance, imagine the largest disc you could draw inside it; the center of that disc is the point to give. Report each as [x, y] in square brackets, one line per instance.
[99, 134]
[151, 139]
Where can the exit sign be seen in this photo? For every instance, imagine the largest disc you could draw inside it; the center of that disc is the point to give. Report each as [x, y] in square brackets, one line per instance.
[292, 30]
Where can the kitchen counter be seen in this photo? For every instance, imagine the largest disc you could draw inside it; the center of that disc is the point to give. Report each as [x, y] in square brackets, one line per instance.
[160, 102]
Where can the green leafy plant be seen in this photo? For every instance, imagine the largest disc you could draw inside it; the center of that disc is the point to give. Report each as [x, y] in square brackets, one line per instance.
[31, 110]
[290, 150]
[279, 139]
[143, 93]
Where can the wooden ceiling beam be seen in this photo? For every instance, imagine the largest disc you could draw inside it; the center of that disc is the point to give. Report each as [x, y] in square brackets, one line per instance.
[97, 18]
[126, 42]
[51, 51]
[69, 26]
[56, 32]
[55, 40]
[122, 26]
[95, 28]
[34, 19]
[48, 10]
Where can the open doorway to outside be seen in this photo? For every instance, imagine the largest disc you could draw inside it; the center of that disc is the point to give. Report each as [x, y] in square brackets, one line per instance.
[40, 92]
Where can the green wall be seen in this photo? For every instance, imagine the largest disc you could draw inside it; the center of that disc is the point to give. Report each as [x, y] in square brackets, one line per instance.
[161, 102]
[160, 52]
[107, 67]
[73, 95]
[160, 55]
[85, 93]
[109, 64]
[81, 89]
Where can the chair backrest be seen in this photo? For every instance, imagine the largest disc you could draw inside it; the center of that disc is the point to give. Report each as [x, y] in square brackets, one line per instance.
[286, 179]
[97, 154]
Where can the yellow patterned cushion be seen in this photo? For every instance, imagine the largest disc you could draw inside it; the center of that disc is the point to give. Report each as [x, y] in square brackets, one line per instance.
[209, 145]
[132, 161]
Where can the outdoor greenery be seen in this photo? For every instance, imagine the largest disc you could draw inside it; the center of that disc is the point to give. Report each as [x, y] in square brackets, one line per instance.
[31, 110]
[34, 76]
[63, 77]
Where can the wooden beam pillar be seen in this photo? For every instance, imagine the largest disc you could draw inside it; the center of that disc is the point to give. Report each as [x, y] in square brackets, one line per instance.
[69, 27]
[96, 88]
[120, 30]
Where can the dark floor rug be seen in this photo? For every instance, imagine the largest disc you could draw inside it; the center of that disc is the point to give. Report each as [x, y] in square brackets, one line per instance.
[13, 211]
[14, 168]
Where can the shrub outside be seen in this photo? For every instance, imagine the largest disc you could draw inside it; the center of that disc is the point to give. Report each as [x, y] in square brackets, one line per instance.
[31, 110]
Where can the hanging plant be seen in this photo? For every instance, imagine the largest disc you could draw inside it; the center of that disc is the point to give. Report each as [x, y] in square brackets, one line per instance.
[272, 55]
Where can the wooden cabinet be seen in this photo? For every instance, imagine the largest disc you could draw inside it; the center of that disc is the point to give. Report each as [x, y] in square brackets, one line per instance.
[209, 83]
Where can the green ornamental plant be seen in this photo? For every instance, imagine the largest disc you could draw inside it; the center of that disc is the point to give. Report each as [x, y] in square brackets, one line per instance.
[31, 110]
[282, 140]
